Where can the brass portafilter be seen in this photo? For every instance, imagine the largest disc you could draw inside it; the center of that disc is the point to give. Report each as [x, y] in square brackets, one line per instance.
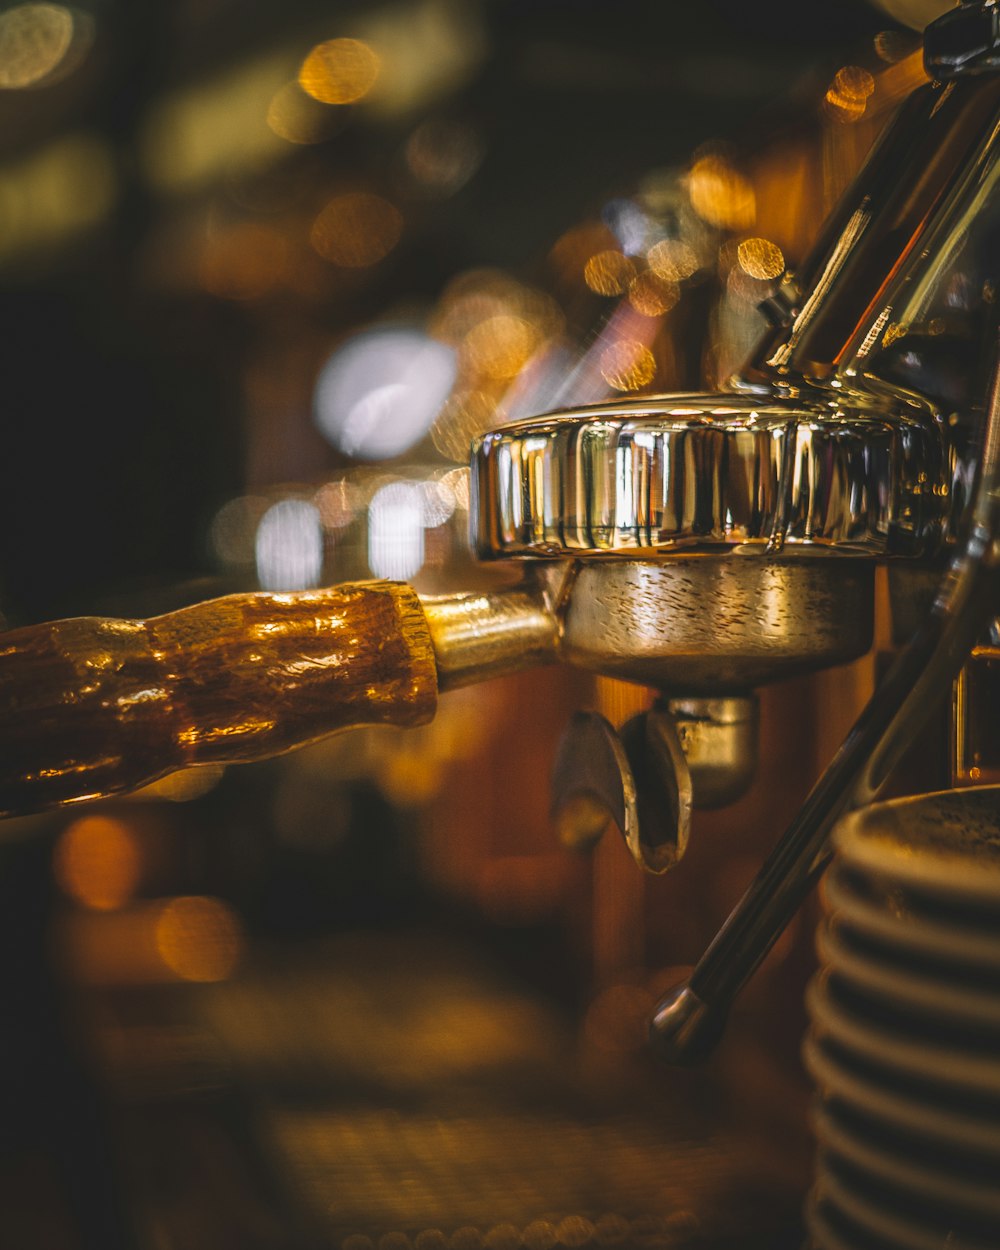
[93, 707]
[699, 544]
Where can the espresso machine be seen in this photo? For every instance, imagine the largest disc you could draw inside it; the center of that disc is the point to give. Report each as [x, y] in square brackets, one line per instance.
[702, 545]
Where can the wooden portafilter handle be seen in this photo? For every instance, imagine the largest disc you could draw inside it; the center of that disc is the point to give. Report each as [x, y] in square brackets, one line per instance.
[92, 707]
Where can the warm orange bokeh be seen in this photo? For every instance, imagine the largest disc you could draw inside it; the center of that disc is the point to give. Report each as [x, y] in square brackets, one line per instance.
[97, 862]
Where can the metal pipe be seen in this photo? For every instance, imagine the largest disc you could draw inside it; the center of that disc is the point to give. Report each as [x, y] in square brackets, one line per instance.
[878, 234]
[489, 634]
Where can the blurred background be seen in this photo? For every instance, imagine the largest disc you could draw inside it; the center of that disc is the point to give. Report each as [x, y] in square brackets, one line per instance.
[265, 271]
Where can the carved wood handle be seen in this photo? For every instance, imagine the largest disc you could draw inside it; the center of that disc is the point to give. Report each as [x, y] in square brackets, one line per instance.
[92, 706]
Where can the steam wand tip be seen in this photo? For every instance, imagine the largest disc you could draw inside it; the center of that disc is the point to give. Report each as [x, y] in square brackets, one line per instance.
[685, 1029]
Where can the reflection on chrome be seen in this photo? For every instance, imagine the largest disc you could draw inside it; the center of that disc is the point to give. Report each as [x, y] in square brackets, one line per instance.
[703, 473]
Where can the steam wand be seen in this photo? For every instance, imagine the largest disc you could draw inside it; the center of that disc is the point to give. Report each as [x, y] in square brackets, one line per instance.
[690, 1019]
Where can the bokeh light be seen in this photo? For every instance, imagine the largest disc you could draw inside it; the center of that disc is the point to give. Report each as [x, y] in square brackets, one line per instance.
[442, 154]
[848, 95]
[760, 258]
[152, 942]
[34, 42]
[539, 1235]
[214, 127]
[629, 224]
[299, 118]
[97, 862]
[396, 530]
[500, 346]
[378, 394]
[67, 187]
[672, 259]
[893, 45]
[233, 531]
[627, 365]
[742, 291]
[574, 1231]
[570, 253]
[465, 416]
[502, 1237]
[661, 191]
[608, 273]
[339, 503]
[438, 501]
[356, 230]
[458, 484]
[497, 323]
[428, 51]
[339, 71]
[720, 194]
[652, 295]
[289, 546]
[199, 939]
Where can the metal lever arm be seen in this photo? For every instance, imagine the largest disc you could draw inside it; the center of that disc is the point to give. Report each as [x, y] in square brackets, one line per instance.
[690, 1019]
